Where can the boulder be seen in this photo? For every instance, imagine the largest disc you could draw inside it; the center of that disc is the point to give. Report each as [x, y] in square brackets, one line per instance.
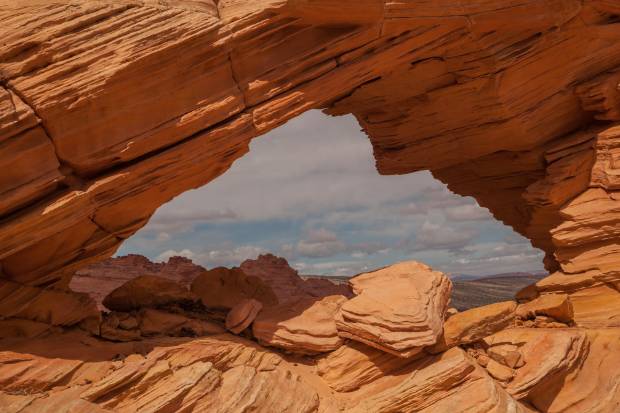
[399, 309]
[303, 326]
[557, 306]
[507, 354]
[50, 306]
[474, 324]
[499, 371]
[147, 291]
[242, 315]
[222, 288]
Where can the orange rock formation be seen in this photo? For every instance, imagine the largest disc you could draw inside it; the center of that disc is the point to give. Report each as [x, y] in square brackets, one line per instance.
[109, 109]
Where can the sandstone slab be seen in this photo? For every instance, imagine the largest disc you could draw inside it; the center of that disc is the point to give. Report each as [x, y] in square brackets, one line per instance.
[475, 324]
[305, 326]
[557, 306]
[438, 384]
[242, 315]
[399, 309]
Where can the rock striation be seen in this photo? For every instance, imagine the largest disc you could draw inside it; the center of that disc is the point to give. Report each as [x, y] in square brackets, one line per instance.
[398, 309]
[110, 109]
[396, 65]
[164, 349]
[305, 326]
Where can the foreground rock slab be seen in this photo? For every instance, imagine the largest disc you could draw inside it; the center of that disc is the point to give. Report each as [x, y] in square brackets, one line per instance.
[475, 324]
[398, 309]
[305, 326]
[451, 382]
[563, 369]
[216, 374]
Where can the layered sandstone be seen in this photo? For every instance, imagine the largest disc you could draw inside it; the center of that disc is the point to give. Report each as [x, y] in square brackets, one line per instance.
[398, 309]
[166, 350]
[110, 109]
[213, 76]
[306, 326]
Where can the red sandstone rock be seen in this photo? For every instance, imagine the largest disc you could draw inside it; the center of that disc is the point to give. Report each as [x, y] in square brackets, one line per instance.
[223, 288]
[45, 305]
[100, 278]
[355, 364]
[242, 315]
[557, 306]
[286, 282]
[449, 382]
[475, 324]
[304, 326]
[399, 309]
[147, 291]
[496, 98]
[155, 322]
[563, 370]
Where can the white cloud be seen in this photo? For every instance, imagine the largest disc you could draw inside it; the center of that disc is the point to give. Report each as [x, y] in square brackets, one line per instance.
[323, 243]
[173, 218]
[163, 237]
[441, 236]
[336, 268]
[166, 255]
[226, 257]
[469, 212]
[320, 243]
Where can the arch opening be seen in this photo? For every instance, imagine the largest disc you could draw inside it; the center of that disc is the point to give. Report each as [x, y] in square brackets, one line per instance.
[309, 192]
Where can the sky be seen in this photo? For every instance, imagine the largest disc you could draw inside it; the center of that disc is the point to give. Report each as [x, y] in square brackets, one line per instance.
[309, 191]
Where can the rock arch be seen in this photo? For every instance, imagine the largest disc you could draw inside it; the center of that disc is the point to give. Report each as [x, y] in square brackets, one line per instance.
[110, 109]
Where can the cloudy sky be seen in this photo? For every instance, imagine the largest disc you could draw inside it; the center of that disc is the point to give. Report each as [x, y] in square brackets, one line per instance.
[309, 192]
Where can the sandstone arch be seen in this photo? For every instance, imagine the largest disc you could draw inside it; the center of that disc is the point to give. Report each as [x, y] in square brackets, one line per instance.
[110, 109]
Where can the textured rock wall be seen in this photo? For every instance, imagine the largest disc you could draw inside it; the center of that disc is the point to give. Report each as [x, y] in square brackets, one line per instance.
[109, 109]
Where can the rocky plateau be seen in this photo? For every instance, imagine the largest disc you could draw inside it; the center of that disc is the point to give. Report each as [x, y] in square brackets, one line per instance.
[110, 108]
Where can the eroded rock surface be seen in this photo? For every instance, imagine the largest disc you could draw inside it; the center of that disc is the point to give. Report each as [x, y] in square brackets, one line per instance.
[305, 326]
[513, 103]
[147, 291]
[399, 309]
[286, 282]
[475, 324]
[100, 278]
[225, 288]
